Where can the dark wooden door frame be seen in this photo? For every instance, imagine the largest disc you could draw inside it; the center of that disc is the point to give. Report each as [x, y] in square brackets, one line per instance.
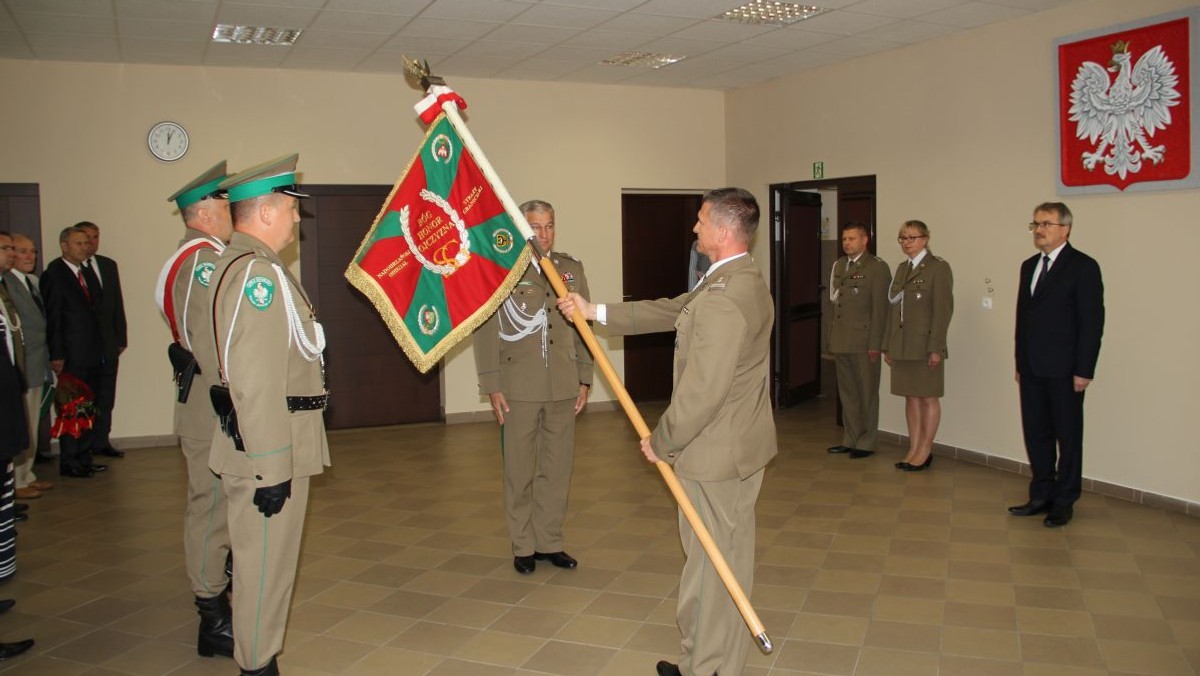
[862, 183]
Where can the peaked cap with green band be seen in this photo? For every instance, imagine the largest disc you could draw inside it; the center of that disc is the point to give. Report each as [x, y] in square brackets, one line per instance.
[202, 187]
[277, 175]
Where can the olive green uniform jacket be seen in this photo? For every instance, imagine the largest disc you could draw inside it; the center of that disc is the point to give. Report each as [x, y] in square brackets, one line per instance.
[918, 322]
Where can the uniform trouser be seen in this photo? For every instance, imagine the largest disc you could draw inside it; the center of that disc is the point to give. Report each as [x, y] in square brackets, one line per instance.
[858, 390]
[715, 639]
[1052, 420]
[23, 472]
[266, 552]
[205, 521]
[539, 448]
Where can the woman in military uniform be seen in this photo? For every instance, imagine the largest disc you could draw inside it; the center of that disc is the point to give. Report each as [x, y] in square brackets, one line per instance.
[914, 342]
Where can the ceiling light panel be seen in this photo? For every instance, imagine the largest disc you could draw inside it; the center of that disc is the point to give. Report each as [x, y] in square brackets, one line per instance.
[642, 59]
[255, 35]
[770, 13]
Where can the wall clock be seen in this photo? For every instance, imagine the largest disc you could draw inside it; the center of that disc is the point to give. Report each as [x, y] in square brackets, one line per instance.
[168, 141]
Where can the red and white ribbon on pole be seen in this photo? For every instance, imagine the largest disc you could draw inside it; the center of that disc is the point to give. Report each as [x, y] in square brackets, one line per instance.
[430, 107]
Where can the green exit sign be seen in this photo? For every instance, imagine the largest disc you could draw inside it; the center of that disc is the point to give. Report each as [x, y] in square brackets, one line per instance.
[818, 170]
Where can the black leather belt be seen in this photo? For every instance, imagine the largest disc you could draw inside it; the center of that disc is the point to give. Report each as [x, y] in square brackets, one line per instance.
[312, 403]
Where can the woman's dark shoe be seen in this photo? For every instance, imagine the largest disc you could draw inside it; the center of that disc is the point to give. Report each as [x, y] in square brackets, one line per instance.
[8, 650]
[909, 467]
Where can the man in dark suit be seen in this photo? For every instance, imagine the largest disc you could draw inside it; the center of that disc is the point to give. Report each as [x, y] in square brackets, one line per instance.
[73, 336]
[1060, 319]
[717, 432]
[110, 306]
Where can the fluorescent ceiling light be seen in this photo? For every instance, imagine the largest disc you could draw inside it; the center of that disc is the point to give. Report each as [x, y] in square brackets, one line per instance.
[642, 59]
[771, 13]
[255, 35]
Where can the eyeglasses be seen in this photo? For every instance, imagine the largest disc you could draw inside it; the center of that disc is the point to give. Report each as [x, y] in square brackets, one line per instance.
[1043, 224]
[904, 240]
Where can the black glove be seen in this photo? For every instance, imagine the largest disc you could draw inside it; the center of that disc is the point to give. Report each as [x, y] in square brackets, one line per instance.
[270, 500]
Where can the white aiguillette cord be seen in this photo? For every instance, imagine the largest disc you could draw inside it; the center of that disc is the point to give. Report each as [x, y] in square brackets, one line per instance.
[525, 324]
[309, 349]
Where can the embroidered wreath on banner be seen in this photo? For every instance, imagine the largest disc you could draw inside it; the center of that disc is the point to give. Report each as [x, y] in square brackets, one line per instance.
[444, 266]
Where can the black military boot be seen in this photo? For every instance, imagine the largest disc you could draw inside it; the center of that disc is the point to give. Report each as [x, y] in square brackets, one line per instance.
[216, 626]
[272, 669]
[229, 573]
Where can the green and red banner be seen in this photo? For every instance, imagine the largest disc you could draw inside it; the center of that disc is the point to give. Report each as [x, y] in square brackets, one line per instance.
[443, 253]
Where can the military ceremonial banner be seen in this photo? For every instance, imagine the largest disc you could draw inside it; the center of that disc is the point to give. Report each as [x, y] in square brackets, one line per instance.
[443, 253]
[1126, 113]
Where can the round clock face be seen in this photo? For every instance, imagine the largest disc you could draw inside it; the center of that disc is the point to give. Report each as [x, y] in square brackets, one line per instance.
[168, 141]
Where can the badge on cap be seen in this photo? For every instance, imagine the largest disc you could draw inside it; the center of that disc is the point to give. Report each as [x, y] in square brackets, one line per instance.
[260, 291]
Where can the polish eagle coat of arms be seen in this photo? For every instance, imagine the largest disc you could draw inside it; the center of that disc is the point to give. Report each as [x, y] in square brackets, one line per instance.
[1119, 116]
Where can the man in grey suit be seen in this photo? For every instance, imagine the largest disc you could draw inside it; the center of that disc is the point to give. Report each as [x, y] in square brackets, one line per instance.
[717, 432]
[23, 292]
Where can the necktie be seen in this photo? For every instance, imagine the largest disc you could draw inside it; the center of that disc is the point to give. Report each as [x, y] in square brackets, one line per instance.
[1042, 275]
[83, 285]
[33, 292]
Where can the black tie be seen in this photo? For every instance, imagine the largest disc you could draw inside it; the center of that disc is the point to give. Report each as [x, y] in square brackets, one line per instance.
[37, 299]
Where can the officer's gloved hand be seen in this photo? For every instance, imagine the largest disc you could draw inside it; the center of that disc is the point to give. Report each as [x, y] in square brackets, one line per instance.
[270, 500]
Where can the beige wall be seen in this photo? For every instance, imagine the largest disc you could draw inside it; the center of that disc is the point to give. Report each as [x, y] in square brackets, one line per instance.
[79, 131]
[960, 133]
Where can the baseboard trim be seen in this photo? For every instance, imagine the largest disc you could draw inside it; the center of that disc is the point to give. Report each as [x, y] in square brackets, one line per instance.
[1090, 485]
[486, 416]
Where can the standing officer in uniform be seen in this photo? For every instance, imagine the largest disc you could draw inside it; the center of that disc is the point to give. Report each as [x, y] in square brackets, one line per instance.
[1060, 319]
[536, 371]
[718, 431]
[266, 355]
[858, 286]
[182, 296]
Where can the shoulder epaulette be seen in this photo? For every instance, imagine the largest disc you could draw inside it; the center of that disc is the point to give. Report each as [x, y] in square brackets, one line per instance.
[566, 256]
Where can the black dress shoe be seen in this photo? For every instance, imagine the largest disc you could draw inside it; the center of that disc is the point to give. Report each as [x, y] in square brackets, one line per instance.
[1030, 508]
[909, 467]
[665, 668]
[524, 564]
[77, 472]
[98, 468]
[272, 669]
[20, 517]
[112, 452]
[8, 650]
[557, 559]
[1058, 517]
[831, 449]
[6, 605]
[858, 453]
[20, 507]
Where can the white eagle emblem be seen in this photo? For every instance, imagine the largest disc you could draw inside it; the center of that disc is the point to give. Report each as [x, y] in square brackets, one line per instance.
[1123, 113]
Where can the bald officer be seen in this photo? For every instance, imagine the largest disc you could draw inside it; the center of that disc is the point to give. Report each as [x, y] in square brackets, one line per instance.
[268, 348]
[536, 372]
[858, 286]
[717, 432]
[182, 296]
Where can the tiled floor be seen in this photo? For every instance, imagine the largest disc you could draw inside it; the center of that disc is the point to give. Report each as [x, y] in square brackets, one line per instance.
[406, 569]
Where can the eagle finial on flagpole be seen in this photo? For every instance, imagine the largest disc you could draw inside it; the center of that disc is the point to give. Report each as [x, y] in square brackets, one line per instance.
[419, 70]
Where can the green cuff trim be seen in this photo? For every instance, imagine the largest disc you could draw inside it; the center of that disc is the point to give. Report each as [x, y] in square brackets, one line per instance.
[260, 187]
[264, 454]
[198, 193]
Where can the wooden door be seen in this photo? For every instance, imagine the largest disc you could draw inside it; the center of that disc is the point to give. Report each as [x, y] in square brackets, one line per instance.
[370, 380]
[796, 286]
[656, 239]
[21, 214]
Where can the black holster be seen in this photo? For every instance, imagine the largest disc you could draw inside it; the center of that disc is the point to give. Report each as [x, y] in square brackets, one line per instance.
[222, 403]
[183, 363]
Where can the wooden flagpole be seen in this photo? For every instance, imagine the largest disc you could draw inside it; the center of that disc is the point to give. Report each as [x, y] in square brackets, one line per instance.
[614, 381]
